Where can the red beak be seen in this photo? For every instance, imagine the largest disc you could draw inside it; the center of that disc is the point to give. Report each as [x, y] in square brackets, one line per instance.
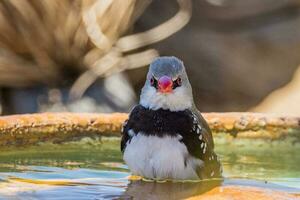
[165, 84]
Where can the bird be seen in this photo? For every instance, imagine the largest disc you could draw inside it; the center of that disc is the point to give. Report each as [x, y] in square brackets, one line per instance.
[165, 136]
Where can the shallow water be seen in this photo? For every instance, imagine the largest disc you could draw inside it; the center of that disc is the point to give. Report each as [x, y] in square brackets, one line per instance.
[92, 169]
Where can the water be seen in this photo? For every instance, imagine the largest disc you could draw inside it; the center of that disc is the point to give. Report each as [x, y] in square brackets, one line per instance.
[92, 169]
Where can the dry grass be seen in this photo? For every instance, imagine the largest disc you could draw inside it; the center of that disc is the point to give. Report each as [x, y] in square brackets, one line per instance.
[38, 39]
[48, 41]
[41, 39]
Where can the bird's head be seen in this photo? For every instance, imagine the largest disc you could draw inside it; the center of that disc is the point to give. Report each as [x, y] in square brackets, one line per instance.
[167, 86]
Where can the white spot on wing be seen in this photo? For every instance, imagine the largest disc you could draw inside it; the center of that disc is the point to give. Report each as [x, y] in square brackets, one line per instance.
[195, 120]
[200, 137]
[199, 127]
[194, 128]
[179, 137]
[131, 133]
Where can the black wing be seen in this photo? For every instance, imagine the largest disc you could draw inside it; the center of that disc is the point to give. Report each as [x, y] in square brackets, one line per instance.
[126, 127]
[125, 137]
[199, 142]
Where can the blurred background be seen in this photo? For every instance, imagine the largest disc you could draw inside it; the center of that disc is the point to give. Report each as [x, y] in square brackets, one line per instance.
[92, 55]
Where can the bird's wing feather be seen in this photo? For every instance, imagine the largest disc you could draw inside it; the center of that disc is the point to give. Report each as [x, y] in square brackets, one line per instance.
[126, 127]
[200, 145]
[125, 137]
[205, 128]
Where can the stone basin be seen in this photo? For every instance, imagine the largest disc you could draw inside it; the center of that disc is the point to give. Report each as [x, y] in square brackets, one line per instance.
[59, 155]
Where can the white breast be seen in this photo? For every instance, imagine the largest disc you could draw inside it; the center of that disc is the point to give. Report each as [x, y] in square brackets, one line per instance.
[160, 158]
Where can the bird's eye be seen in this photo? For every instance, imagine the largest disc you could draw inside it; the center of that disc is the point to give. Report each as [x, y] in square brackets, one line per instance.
[153, 82]
[177, 83]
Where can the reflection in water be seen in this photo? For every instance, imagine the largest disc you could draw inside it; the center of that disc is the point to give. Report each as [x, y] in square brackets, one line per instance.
[52, 182]
[168, 190]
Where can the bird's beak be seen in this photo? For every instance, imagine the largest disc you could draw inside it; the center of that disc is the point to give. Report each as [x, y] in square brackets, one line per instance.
[165, 84]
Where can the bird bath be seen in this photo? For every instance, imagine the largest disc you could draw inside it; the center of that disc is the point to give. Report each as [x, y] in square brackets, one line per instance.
[62, 156]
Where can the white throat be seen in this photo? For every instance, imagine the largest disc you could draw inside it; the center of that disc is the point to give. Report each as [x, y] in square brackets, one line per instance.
[178, 100]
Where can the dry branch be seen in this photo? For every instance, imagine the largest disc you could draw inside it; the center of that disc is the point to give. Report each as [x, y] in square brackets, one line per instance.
[59, 127]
